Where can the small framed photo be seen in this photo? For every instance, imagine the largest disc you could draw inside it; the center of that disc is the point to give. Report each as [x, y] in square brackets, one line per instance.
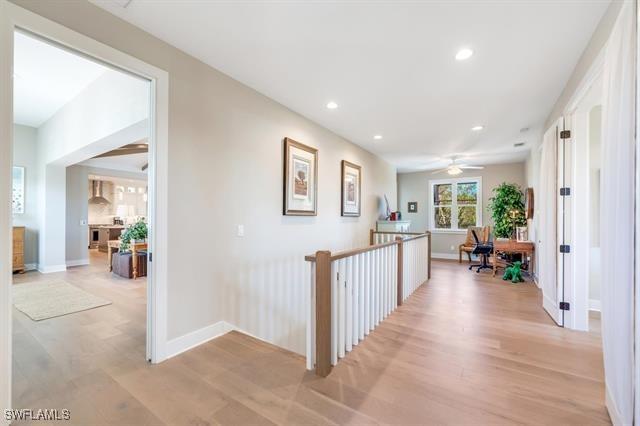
[351, 185]
[413, 207]
[300, 179]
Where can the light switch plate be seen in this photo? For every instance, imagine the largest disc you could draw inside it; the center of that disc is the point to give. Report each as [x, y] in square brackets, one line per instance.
[240, 230]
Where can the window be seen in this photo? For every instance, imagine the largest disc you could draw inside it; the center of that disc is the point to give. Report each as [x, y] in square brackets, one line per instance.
[456, 204]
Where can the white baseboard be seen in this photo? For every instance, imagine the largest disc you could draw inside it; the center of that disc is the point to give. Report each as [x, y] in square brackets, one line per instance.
[51, 269]
[614, 413]
[79, 262]
[594, 305]
[195, 338]
[30, 266]
[454, 256]
[451, 256]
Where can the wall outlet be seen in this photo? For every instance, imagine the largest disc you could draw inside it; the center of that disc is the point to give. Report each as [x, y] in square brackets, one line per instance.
[240, 230]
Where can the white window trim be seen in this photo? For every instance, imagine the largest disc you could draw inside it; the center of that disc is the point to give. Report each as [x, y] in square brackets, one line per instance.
[454, 191]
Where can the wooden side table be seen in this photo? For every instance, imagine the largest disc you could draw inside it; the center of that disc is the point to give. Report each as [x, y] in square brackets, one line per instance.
[525, 248]
[135, 247]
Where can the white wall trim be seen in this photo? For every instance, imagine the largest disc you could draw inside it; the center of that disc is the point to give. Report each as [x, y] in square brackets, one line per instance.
[450, 256]
[51, 269]
[196, 338]
[77, 262]
[594, 305]
[614, 413]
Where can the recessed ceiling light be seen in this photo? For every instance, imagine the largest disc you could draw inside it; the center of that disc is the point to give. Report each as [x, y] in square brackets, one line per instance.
[377, 137]
[477, 128]
[332, 105]
[464, 54]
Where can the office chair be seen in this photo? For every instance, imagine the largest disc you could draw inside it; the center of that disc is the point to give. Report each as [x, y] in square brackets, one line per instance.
[483, 250]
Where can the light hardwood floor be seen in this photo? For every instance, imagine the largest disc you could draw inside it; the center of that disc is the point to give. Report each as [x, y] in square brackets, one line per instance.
[464, 349]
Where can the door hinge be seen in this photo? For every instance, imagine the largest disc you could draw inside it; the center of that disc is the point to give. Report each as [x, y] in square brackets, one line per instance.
[565, 134]
[150, 257]
[565, 306]
[565, 248]
[565, 192]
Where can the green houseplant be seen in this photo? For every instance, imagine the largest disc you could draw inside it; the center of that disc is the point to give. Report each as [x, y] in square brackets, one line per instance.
[136, 232]
[507, 209]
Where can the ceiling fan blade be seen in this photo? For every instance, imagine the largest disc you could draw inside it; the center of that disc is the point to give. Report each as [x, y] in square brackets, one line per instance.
[472, 167]
[439, 171]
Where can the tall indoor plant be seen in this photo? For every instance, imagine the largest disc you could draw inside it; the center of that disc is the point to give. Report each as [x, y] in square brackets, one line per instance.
[507, 209]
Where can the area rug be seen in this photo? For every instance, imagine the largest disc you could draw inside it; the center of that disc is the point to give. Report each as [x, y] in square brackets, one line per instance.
[52, 299]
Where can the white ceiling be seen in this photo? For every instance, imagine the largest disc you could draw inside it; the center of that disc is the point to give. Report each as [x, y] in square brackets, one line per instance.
[46, 78]
[390, 65]
[125, 163]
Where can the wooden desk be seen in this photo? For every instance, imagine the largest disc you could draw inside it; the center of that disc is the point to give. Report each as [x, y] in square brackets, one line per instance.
[525, 248]
[135, 247]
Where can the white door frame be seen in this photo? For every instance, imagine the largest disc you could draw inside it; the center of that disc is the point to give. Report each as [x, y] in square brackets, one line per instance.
[11, 18]
[577, 278]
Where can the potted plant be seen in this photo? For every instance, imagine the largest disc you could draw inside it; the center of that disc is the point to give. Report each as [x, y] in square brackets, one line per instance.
[507, 209]
[133, 234]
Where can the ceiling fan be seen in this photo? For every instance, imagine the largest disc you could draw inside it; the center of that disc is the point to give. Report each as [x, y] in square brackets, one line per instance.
[456, 168]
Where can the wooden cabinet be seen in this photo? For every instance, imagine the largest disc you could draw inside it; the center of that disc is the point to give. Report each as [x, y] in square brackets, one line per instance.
[18, 249]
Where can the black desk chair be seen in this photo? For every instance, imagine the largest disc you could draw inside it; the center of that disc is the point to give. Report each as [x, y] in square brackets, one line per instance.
[483, 250]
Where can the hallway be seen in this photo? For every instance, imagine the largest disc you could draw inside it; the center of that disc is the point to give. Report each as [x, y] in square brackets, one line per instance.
[464, 349]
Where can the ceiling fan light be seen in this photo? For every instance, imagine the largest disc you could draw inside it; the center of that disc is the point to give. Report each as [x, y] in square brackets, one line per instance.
[454, 170]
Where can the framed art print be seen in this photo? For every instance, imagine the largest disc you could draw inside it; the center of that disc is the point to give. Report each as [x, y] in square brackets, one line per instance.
[300, 179]
[351, 184]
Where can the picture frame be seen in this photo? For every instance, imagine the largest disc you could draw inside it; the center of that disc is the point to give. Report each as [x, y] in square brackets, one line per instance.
[351, 187]
[528, 203]
[300, 179]
[17, 190]
[412, 207]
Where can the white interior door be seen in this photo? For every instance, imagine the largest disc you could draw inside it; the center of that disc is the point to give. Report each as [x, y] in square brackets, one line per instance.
[551, 222]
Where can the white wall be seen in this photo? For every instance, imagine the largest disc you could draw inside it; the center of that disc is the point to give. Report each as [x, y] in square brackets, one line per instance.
[24, 155]
[415, 187]
[225, 169]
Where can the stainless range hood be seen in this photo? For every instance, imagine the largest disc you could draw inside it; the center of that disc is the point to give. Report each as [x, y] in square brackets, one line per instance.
[96, 193]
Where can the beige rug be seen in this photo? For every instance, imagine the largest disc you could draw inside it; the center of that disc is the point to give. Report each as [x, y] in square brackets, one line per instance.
[43, 300]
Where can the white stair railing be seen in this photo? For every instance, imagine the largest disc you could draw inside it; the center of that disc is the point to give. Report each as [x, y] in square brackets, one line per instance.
[352, 292]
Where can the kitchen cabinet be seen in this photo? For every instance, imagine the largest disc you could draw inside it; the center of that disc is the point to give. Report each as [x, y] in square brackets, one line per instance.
[107, 233]
[18, 249]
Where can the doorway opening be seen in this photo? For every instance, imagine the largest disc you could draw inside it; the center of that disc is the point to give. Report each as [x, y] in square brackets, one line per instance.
[82, 137]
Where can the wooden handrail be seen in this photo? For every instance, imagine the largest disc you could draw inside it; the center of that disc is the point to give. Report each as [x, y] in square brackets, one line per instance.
[352, 252]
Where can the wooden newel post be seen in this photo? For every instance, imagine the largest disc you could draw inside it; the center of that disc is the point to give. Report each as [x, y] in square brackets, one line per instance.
[371, 237]
[323, 313]
[400, 291]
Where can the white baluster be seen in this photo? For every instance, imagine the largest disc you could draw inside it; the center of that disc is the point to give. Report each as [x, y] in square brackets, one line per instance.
[367, 292]
[311, 317]
[335, 285]
[361, 295]
[356, 306]
[341, 307]
[348, 304]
